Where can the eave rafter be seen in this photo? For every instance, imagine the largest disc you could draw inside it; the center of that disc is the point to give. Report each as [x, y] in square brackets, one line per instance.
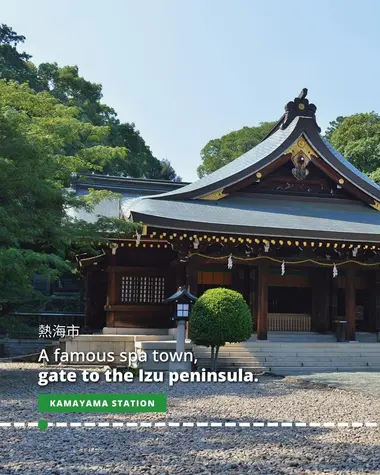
[199, 241]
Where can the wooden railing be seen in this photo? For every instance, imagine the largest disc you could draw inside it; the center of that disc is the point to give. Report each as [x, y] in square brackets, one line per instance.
[286, 322]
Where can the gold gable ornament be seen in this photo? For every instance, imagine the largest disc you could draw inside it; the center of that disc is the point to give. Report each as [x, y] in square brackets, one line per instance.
[217, 195]
[376, 205]
[301, 154]
[302, 146]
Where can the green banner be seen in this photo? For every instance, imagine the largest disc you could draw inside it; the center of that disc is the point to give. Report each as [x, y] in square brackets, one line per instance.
[102, 403]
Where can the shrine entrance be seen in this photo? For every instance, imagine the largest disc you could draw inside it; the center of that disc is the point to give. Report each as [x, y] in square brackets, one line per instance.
[289, 300]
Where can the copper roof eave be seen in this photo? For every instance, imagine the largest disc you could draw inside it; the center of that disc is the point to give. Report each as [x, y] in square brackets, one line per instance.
[198, 227]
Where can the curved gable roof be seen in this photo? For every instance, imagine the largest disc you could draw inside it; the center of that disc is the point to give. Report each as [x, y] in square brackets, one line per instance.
[234, 171]
[296, 121]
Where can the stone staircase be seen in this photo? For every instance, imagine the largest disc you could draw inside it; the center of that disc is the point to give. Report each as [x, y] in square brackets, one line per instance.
[295, 357]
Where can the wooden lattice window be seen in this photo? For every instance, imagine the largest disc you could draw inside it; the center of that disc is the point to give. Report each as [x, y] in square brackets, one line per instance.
[136, 289]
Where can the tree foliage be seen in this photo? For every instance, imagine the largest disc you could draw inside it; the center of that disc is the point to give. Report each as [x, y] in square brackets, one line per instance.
[219, 152]
[13, 64]
[357, 138]
[31, 210]
[45, 138]
[66, 85]
[220, 316]
[333, 125]
[42, 143]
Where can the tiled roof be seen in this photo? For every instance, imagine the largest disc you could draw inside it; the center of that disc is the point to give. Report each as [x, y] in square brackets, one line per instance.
[242, 163]
[316, 217]
[265, 215]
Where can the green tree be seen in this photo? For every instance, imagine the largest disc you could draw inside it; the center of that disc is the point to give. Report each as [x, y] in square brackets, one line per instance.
[30, 213]
[167, 172]
[219, 152]
[220, 316]
[68, 87]
[357, 137]
[42, 143]
[66, 141]
[65, 84]
[71, 89]
[53, 125]
[140, 162]
[13, 64]
[333, 125]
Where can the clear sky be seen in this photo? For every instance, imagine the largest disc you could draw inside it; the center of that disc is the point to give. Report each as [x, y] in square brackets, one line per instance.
[187, 71]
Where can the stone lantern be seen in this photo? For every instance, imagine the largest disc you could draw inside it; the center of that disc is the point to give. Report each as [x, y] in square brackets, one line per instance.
[183, 300]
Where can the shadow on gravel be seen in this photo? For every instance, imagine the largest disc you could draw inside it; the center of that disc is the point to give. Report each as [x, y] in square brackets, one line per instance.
[172, 451]
[187, 451]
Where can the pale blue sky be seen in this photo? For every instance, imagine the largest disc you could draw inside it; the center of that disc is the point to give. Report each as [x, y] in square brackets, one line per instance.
[187, 71]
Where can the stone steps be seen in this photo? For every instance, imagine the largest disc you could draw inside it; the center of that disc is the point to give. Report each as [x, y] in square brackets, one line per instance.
[291, 337]
[134, 331]
[286, 361]
[309, 337]
[296, 370]
[294, 358]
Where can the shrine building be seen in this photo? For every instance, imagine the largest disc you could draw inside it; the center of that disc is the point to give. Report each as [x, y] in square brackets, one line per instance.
[291, 224]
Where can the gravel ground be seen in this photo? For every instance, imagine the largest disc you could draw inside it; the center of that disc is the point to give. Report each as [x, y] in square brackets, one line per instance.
[192, 451]
[367, 383]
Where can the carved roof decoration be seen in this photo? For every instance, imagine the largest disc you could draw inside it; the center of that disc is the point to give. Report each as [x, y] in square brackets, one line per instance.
[295, 137]
[301, 146]
[299, 107]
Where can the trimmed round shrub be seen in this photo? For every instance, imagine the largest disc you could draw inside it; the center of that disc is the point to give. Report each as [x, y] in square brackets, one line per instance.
[218, 317]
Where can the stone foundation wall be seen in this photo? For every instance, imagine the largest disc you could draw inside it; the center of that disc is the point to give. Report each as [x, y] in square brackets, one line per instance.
[14, 348]
[112, 343]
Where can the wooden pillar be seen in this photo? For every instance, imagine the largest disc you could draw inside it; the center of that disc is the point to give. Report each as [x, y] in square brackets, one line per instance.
[87, 300]
[320, 300]
[376, 325]
[238, 282]
[176, 277]
[334, 304]
[253, 296]
[112, 291]
[192, 275]
[262, 307]
[350, 303]
[374, 310]
[111, 299]
[181, 274]
[192, 281]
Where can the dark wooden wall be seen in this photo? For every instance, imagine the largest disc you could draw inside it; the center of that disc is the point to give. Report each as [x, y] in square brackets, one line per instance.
[140, 262]
[96, 283]
[104, 289]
